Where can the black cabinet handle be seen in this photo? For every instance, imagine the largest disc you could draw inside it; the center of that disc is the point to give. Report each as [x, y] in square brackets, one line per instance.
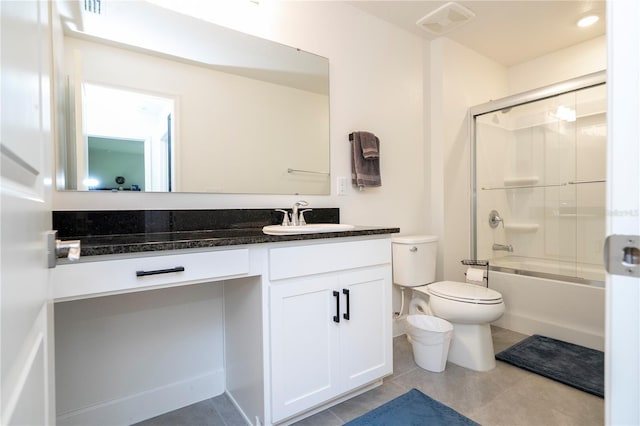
[159, 271]
[336, 317]
[346, 292]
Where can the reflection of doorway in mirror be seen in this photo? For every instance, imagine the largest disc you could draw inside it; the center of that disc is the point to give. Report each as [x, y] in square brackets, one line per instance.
[116, 164]
[127, 135]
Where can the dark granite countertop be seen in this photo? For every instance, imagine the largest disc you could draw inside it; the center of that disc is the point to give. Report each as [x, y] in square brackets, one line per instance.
[98, 245]
[115, 232]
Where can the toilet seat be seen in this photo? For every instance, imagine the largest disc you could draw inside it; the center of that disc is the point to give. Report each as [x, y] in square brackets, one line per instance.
[464, 293]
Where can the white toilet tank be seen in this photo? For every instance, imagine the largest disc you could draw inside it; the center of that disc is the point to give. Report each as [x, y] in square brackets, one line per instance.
[414, 260]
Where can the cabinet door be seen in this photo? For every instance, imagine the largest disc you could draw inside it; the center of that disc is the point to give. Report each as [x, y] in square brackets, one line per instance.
[304, 344]
[365, 338]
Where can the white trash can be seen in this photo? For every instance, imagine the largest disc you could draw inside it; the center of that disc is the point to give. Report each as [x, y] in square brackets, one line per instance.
[430, 337]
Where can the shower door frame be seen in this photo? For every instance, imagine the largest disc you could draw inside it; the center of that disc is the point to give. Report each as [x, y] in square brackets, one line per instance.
[568, 86]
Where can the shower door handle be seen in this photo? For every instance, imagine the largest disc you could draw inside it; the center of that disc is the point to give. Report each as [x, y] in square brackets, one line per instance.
[622, 255]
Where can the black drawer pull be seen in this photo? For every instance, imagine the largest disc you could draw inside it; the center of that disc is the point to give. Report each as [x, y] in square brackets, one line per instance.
[347, 316]
[336, 317]
[160, 271]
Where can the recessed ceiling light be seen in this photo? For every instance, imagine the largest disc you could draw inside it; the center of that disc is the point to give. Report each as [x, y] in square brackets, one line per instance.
[588, 20]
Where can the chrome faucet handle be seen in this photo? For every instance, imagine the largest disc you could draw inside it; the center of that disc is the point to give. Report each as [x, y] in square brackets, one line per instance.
[295, 220]
[285, 219]
[495, 219]
[301, 220]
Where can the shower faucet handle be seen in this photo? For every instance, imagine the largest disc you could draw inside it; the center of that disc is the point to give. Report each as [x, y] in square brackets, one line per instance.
[495, 219]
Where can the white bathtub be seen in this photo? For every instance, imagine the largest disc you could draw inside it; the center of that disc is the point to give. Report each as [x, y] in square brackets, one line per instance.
[583, 273]
[563, 310]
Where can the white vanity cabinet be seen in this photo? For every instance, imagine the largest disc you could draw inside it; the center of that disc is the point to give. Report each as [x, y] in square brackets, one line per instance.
[330, 322]
[260, 322]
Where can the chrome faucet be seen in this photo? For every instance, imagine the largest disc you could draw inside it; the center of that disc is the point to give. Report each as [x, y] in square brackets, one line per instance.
[495, 219]
[502, 247]
[295, 218]
[285, 218]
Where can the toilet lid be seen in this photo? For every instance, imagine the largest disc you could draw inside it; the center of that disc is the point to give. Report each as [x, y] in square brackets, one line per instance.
[463, 292]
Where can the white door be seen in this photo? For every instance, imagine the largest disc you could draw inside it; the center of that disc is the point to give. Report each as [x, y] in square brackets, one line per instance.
[622, 366]
[25, 212]
[366, 341]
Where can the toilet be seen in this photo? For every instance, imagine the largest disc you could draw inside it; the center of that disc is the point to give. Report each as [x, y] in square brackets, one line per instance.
[469, 307]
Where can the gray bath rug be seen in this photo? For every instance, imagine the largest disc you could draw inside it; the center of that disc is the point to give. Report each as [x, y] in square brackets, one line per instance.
[573, 365]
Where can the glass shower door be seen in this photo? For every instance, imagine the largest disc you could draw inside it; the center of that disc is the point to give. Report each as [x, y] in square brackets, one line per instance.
[540, 169]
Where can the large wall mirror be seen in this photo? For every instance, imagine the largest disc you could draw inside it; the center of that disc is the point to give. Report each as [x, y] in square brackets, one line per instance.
[158, 101]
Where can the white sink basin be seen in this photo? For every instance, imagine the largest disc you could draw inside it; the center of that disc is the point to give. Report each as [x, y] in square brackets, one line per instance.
[310, 228]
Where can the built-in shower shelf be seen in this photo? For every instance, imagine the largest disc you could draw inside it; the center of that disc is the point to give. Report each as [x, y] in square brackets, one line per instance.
[549, 185]
[531, 182]
[521, 180]
[521, 227]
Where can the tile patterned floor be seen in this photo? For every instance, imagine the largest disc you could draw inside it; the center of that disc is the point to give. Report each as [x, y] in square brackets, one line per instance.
[506, 396]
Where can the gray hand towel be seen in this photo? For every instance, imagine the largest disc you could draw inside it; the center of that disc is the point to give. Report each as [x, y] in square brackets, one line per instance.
[370, 145]
[365, 171]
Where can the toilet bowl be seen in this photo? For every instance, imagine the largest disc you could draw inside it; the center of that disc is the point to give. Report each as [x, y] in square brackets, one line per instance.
[470, 308]
[464, 303]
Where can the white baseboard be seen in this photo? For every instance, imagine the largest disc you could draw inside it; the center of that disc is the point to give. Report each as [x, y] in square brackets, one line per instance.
[144, 405]
[239, 408]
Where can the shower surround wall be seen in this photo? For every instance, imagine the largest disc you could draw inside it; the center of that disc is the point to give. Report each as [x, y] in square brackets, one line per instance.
[545, 176]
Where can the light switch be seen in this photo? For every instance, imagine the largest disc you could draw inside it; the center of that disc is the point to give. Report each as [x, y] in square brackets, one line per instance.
[343, 183]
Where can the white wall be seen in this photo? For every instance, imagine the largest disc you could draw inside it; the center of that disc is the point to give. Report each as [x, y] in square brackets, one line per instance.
[564, 64]
[376, 84]
[460, 78]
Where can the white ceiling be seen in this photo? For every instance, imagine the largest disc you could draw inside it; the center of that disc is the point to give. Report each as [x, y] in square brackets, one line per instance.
[507, 31]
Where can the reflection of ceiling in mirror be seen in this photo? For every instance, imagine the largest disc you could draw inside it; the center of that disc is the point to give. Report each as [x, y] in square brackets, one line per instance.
[195, 40]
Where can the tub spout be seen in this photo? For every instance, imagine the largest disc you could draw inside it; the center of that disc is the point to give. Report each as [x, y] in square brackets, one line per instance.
[502, 247]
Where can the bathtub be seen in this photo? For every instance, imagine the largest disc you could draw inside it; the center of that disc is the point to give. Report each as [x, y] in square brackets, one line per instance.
[573, 312]
[582, 273]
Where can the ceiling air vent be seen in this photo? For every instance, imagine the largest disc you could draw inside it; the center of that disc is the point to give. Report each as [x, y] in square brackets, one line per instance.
[93, 6]
[445, 18]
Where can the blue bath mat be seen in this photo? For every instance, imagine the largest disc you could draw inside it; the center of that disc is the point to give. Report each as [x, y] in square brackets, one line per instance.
[573, 365]
[412, 409]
